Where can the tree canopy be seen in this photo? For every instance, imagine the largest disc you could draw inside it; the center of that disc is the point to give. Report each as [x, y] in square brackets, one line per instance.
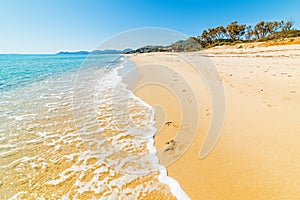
[237, 32]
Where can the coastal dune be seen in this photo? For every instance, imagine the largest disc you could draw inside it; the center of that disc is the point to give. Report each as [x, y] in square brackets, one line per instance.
[257, 155]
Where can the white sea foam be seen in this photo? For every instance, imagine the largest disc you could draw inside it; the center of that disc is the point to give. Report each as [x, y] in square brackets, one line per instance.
[47, 132]
[174, 186]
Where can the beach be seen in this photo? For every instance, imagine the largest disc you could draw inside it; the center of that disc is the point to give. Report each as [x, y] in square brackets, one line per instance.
[72, 131]
[150, 100]
[257, 154]
[83, 127]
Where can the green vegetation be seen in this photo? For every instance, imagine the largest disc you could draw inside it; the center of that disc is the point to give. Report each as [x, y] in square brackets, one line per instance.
[235, 33]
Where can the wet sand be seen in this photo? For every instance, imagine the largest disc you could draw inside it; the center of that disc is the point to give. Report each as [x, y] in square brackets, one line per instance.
[258, 154]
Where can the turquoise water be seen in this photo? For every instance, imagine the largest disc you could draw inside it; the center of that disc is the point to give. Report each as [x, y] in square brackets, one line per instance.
[21, 70]
[69, 129]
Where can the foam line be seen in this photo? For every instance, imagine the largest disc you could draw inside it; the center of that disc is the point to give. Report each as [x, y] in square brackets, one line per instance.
[173, 185]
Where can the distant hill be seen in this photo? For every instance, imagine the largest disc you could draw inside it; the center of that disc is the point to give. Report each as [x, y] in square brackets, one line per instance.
[189, 44]
[71, 53]
[111, 51]
[107, 51]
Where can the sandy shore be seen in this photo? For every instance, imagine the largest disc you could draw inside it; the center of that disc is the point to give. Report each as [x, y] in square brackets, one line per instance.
[258, 154]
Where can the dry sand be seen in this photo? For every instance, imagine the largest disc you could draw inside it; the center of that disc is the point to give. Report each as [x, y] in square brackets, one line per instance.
[258, 153]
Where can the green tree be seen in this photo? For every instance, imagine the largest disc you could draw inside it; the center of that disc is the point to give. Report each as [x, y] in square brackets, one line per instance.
[260, 29]
[272, 27]
[205, 38]
[235, 31]
[249, 32]
[288, 25]
[212, 33]
[220, 32]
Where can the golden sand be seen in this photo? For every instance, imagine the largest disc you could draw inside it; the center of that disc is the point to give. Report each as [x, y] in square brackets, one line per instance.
[258, 154]
[50, 157]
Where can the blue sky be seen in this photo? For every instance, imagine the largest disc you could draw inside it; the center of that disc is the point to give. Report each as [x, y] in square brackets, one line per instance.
[48, 26]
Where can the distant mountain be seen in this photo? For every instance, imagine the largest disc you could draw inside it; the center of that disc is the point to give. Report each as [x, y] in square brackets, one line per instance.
[107, 51]
[111, 51]
[189, 44]
[69, 53]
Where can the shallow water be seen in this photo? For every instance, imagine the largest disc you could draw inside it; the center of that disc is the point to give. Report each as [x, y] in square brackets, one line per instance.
[69, 129]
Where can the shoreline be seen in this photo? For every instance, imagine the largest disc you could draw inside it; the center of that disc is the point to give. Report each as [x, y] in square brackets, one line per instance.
[173, 186]
[234, 169]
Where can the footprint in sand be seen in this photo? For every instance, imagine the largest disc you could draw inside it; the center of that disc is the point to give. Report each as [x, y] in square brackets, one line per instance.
[174, 148]
[208, 113]
[171, 145]
[189, 99]
[170, 123]
[269, 104]
[287, 98]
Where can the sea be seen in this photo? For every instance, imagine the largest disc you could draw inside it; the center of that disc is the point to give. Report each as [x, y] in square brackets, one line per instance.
[70, 129]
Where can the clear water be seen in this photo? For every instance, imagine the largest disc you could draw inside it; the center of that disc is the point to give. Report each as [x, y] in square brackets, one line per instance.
[69, 129]
[21, 70]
